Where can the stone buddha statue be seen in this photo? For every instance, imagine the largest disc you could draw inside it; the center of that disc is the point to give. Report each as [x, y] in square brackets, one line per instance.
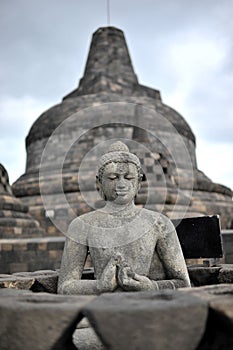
[131, 248]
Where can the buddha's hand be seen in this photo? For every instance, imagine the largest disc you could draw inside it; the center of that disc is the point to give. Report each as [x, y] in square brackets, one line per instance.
[108, 280]
[131, 281]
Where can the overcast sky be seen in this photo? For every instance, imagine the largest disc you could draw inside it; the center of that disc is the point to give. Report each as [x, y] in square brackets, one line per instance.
[184, 48]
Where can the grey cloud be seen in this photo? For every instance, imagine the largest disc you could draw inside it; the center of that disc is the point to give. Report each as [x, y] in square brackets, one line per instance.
[44, 45]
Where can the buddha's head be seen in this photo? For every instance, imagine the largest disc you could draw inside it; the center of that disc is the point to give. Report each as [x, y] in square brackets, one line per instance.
[119, 174]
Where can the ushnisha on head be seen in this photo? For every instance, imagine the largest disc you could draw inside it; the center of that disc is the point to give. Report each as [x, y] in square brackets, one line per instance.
[118, 153]
[119, 172]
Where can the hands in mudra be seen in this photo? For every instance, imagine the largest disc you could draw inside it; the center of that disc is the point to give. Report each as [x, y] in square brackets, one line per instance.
[118, 273]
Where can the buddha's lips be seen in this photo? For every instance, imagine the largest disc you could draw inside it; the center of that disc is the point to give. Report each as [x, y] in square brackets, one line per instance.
[121, 193]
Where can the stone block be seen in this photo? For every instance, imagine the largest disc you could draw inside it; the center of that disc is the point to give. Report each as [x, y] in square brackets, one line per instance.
[38, 321]
[18, 230]
[42, 281]
[4, 275]
[52, 230]
[219, 327]
[228, 258]
[7, 247]
[201, 276]
[55, 254]
[42, 246]
[30, 254]
[20, 246]
[156, 320]
[45, 282]
[227, 238]
[226, 274]
[87, 339]
[17, 283]
[18, 266]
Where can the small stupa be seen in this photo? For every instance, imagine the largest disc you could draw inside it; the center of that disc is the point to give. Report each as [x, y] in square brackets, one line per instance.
[15, 220]
[19, 231]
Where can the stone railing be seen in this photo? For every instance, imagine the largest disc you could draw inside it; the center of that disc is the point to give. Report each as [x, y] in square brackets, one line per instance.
[199, 318]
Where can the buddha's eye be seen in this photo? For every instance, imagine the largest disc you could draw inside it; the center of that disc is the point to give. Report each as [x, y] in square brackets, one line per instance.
[129, 177]
[112, 177]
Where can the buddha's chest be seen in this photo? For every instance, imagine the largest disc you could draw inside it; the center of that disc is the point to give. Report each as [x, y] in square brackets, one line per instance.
[137, 254]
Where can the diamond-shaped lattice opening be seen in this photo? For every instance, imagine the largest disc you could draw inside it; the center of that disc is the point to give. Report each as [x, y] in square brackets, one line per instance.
[85, 337]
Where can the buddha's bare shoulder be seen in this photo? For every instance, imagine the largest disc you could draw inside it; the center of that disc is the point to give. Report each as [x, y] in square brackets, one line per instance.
[160, 220]
[87, 217]
[153, 214]
[98, 216]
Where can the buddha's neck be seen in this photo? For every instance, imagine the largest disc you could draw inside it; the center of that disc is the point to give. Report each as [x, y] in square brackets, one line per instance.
[117, 209]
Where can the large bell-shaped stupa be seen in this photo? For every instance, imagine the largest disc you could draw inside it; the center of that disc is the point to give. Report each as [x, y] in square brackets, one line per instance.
[65, 143]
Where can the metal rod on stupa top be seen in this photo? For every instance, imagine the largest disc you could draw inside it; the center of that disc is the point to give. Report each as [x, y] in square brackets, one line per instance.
[108, 12]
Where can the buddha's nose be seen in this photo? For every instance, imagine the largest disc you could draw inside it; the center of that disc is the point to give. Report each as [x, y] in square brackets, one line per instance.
[121, 184]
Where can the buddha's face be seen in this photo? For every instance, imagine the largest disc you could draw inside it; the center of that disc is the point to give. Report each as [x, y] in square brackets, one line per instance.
[120, 182]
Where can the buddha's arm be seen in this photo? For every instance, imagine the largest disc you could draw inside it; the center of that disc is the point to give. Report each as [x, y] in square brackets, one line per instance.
[72, 265]
[73, 260]
[168, 263]
[170, 253]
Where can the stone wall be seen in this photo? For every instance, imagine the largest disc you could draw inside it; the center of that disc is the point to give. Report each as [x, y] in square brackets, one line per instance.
[30, 254]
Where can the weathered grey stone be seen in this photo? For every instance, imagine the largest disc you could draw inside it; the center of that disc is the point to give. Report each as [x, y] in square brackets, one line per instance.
[226, 274]
[38, 321]
[227, 239]
[17, 283]
[38, 281]
[219, 328]
[30, 254]
[201, 276]
[15, 221]
[16, 224]
[45, 283]
[87, 339]
[131, 249]
[155, 320]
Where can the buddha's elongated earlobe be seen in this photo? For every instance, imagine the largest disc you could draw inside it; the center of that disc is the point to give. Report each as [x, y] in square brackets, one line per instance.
[99, 188]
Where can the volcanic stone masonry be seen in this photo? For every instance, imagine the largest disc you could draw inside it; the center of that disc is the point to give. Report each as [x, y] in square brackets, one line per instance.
[23, 246]
[195, 318]
[109, 92]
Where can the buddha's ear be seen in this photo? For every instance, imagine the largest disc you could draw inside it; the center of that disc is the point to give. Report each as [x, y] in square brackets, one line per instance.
[142, 176]
[139, 185]
[140, 179]
[99, 187]
[97, 183]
